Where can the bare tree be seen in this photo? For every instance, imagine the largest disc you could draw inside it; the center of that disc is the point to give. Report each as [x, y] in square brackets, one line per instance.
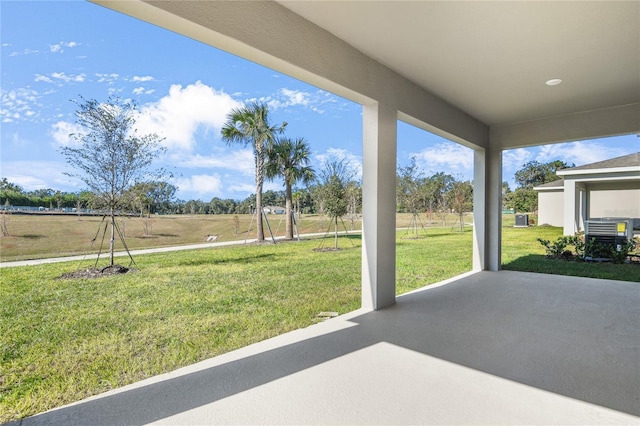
[410, 193]
[460, 199]
[335, 177]
[109, 155]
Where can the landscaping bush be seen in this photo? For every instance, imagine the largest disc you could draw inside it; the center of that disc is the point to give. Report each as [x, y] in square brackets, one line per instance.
[584, 249]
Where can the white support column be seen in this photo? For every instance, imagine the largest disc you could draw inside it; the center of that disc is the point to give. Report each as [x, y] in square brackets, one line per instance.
[379, 206]
[570, 203]
[487, 210]
[583, 212]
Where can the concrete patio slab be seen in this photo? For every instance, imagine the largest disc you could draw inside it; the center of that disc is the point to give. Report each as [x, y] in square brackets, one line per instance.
[485, 348]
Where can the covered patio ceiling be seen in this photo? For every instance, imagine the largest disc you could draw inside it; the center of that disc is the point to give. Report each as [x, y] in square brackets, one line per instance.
[492, 59]
[485, 62]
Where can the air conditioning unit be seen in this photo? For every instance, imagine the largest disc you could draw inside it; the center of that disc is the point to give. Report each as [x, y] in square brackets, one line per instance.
[613, 233]
[522, 220]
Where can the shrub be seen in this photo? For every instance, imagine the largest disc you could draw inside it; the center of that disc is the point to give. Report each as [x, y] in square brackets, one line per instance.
[587, 249]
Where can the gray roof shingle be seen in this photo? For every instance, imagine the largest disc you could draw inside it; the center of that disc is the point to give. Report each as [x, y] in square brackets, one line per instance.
[624, 161]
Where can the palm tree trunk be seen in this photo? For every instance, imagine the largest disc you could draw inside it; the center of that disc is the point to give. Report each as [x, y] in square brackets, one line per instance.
[260, 228]
[288, 224]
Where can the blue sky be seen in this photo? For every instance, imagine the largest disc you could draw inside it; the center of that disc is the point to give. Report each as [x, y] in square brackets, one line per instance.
[55, 51]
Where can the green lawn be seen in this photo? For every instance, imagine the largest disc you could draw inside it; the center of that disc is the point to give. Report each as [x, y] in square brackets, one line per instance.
[63, 340]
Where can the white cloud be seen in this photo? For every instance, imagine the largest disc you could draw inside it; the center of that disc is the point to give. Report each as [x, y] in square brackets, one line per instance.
[19, 104]
[32, 175]
[79, 78]
[57, 77]
[177, 116]
[204, 186]
[62, 130]
[447, 157]
[59, 47]
[138, 79]
[40, 77]
[240, 161]
[286, 98]
[107, 78]
[243, 188]
[142, 91]
[579, 153]
[25, 52]
[516, 158]
[339, 154]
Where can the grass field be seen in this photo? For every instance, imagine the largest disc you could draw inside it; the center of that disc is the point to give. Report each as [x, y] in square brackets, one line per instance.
[40, 236]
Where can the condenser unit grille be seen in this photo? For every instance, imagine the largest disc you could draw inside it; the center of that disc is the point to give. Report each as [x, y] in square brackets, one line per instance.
[602, 228]
[612, 228]
[607, 235]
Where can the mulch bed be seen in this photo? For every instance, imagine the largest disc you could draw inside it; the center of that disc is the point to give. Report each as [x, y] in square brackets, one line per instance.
[96, 272]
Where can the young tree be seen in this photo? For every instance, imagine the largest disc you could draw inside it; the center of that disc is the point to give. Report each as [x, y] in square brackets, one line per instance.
[410, 193]
[435, 188]
[109, 155]
[460, 199]
[335, 179]
[250, 125]
[290, 159]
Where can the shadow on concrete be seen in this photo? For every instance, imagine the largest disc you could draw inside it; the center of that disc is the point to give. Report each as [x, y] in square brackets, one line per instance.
[571, 336]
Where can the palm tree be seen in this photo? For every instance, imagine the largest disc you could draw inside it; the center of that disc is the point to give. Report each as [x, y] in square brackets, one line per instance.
[250, 125]
[290, 159]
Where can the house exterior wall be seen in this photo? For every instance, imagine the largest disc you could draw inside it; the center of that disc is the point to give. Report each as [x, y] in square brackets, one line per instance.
[551, 207]
[614, 203]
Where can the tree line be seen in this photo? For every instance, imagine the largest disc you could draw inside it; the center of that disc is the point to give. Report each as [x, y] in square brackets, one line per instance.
[433, 195]
[114, 161]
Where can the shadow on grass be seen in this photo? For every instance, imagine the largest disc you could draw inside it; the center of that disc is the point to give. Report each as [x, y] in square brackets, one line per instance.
[238, 260]
[33, 236]
[605, 270]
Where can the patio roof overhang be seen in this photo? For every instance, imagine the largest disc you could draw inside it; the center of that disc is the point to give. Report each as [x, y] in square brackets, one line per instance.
[473, 72]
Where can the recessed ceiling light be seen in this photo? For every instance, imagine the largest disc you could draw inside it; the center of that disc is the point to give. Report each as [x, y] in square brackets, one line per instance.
[554, 82]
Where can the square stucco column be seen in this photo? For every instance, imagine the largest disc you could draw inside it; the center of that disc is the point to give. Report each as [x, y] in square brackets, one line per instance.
[379, 206]
[570, 207]
[487, 210]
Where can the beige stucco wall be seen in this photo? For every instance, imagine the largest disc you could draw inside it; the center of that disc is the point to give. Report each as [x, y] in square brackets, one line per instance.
[614, 203]
[551, 207]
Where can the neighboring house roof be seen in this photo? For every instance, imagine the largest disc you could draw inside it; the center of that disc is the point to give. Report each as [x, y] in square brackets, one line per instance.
[556, 184]
[626, 162]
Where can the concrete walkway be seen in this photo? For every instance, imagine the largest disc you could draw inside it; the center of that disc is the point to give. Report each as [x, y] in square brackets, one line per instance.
[485, 348]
